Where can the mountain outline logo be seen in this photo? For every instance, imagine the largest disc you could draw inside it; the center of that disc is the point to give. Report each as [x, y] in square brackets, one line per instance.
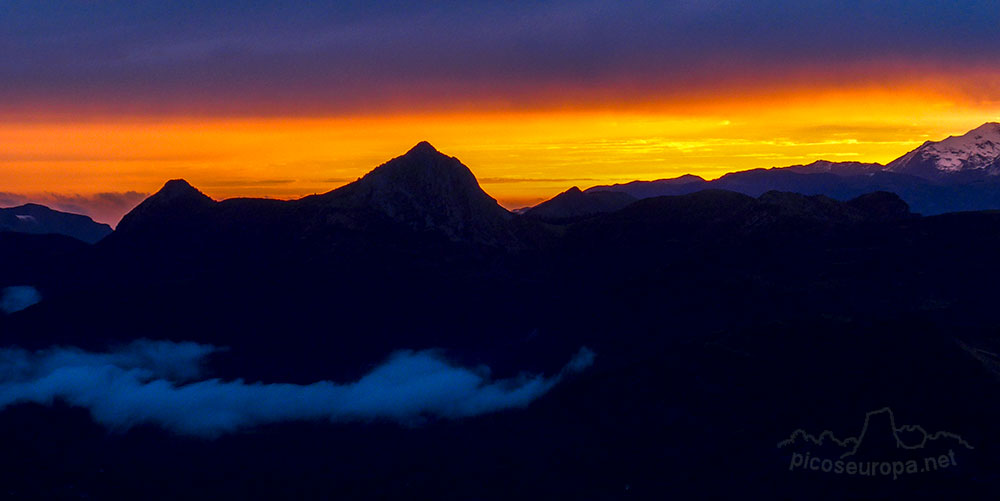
[854, 443]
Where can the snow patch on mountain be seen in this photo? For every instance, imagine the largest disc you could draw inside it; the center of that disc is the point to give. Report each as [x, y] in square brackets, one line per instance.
[975, 150]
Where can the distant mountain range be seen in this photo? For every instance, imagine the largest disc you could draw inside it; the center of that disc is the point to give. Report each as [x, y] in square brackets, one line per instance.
[435, 198]
[38, 219]
[960, 173]
[422, 192]
[427, 190]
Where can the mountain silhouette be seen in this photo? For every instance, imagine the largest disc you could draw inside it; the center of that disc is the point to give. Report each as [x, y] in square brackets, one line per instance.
[175, 203]
[422, 190]
[727, 214]
[880, 437]
[39, 219]
[955, 174]
[426, 190]
[573, 204]
[838, 168]
[688, 183]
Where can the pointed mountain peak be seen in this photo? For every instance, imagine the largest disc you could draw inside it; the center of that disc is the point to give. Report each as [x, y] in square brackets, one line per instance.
[179, 188]
[175, 204]
[423, 148]
[422, 167]
[427, 189]
[177, 184]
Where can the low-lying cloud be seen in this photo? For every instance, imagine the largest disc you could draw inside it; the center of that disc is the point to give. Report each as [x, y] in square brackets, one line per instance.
[18, 297]
[158, 382]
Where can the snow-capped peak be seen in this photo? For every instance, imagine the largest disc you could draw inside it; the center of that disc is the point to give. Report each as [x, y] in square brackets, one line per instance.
[976, 150]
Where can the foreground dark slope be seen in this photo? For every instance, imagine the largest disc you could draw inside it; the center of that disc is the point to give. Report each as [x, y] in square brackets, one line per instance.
[721, 323]
[45, 261]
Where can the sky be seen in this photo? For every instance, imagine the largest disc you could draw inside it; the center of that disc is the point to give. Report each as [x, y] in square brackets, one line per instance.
[101, 102]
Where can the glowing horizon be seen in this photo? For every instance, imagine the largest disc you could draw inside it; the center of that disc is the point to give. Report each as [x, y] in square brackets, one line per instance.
[293, 98]
[520, 157]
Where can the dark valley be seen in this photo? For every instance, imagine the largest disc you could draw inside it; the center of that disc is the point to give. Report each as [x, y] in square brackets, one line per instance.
[635, 341]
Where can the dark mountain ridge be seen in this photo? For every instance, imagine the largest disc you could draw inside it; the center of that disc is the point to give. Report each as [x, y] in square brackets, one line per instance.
[426, 190]
[574, 204]
[421, 191]
[955, 174]
[39, 219]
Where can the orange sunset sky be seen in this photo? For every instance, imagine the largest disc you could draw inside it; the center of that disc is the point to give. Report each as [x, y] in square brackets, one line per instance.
[534, 107]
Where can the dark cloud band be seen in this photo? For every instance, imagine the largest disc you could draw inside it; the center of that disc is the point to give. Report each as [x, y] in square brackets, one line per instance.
[274, 57]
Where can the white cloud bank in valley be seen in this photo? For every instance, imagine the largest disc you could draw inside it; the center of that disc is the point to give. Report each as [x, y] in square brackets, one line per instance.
[158, 382]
